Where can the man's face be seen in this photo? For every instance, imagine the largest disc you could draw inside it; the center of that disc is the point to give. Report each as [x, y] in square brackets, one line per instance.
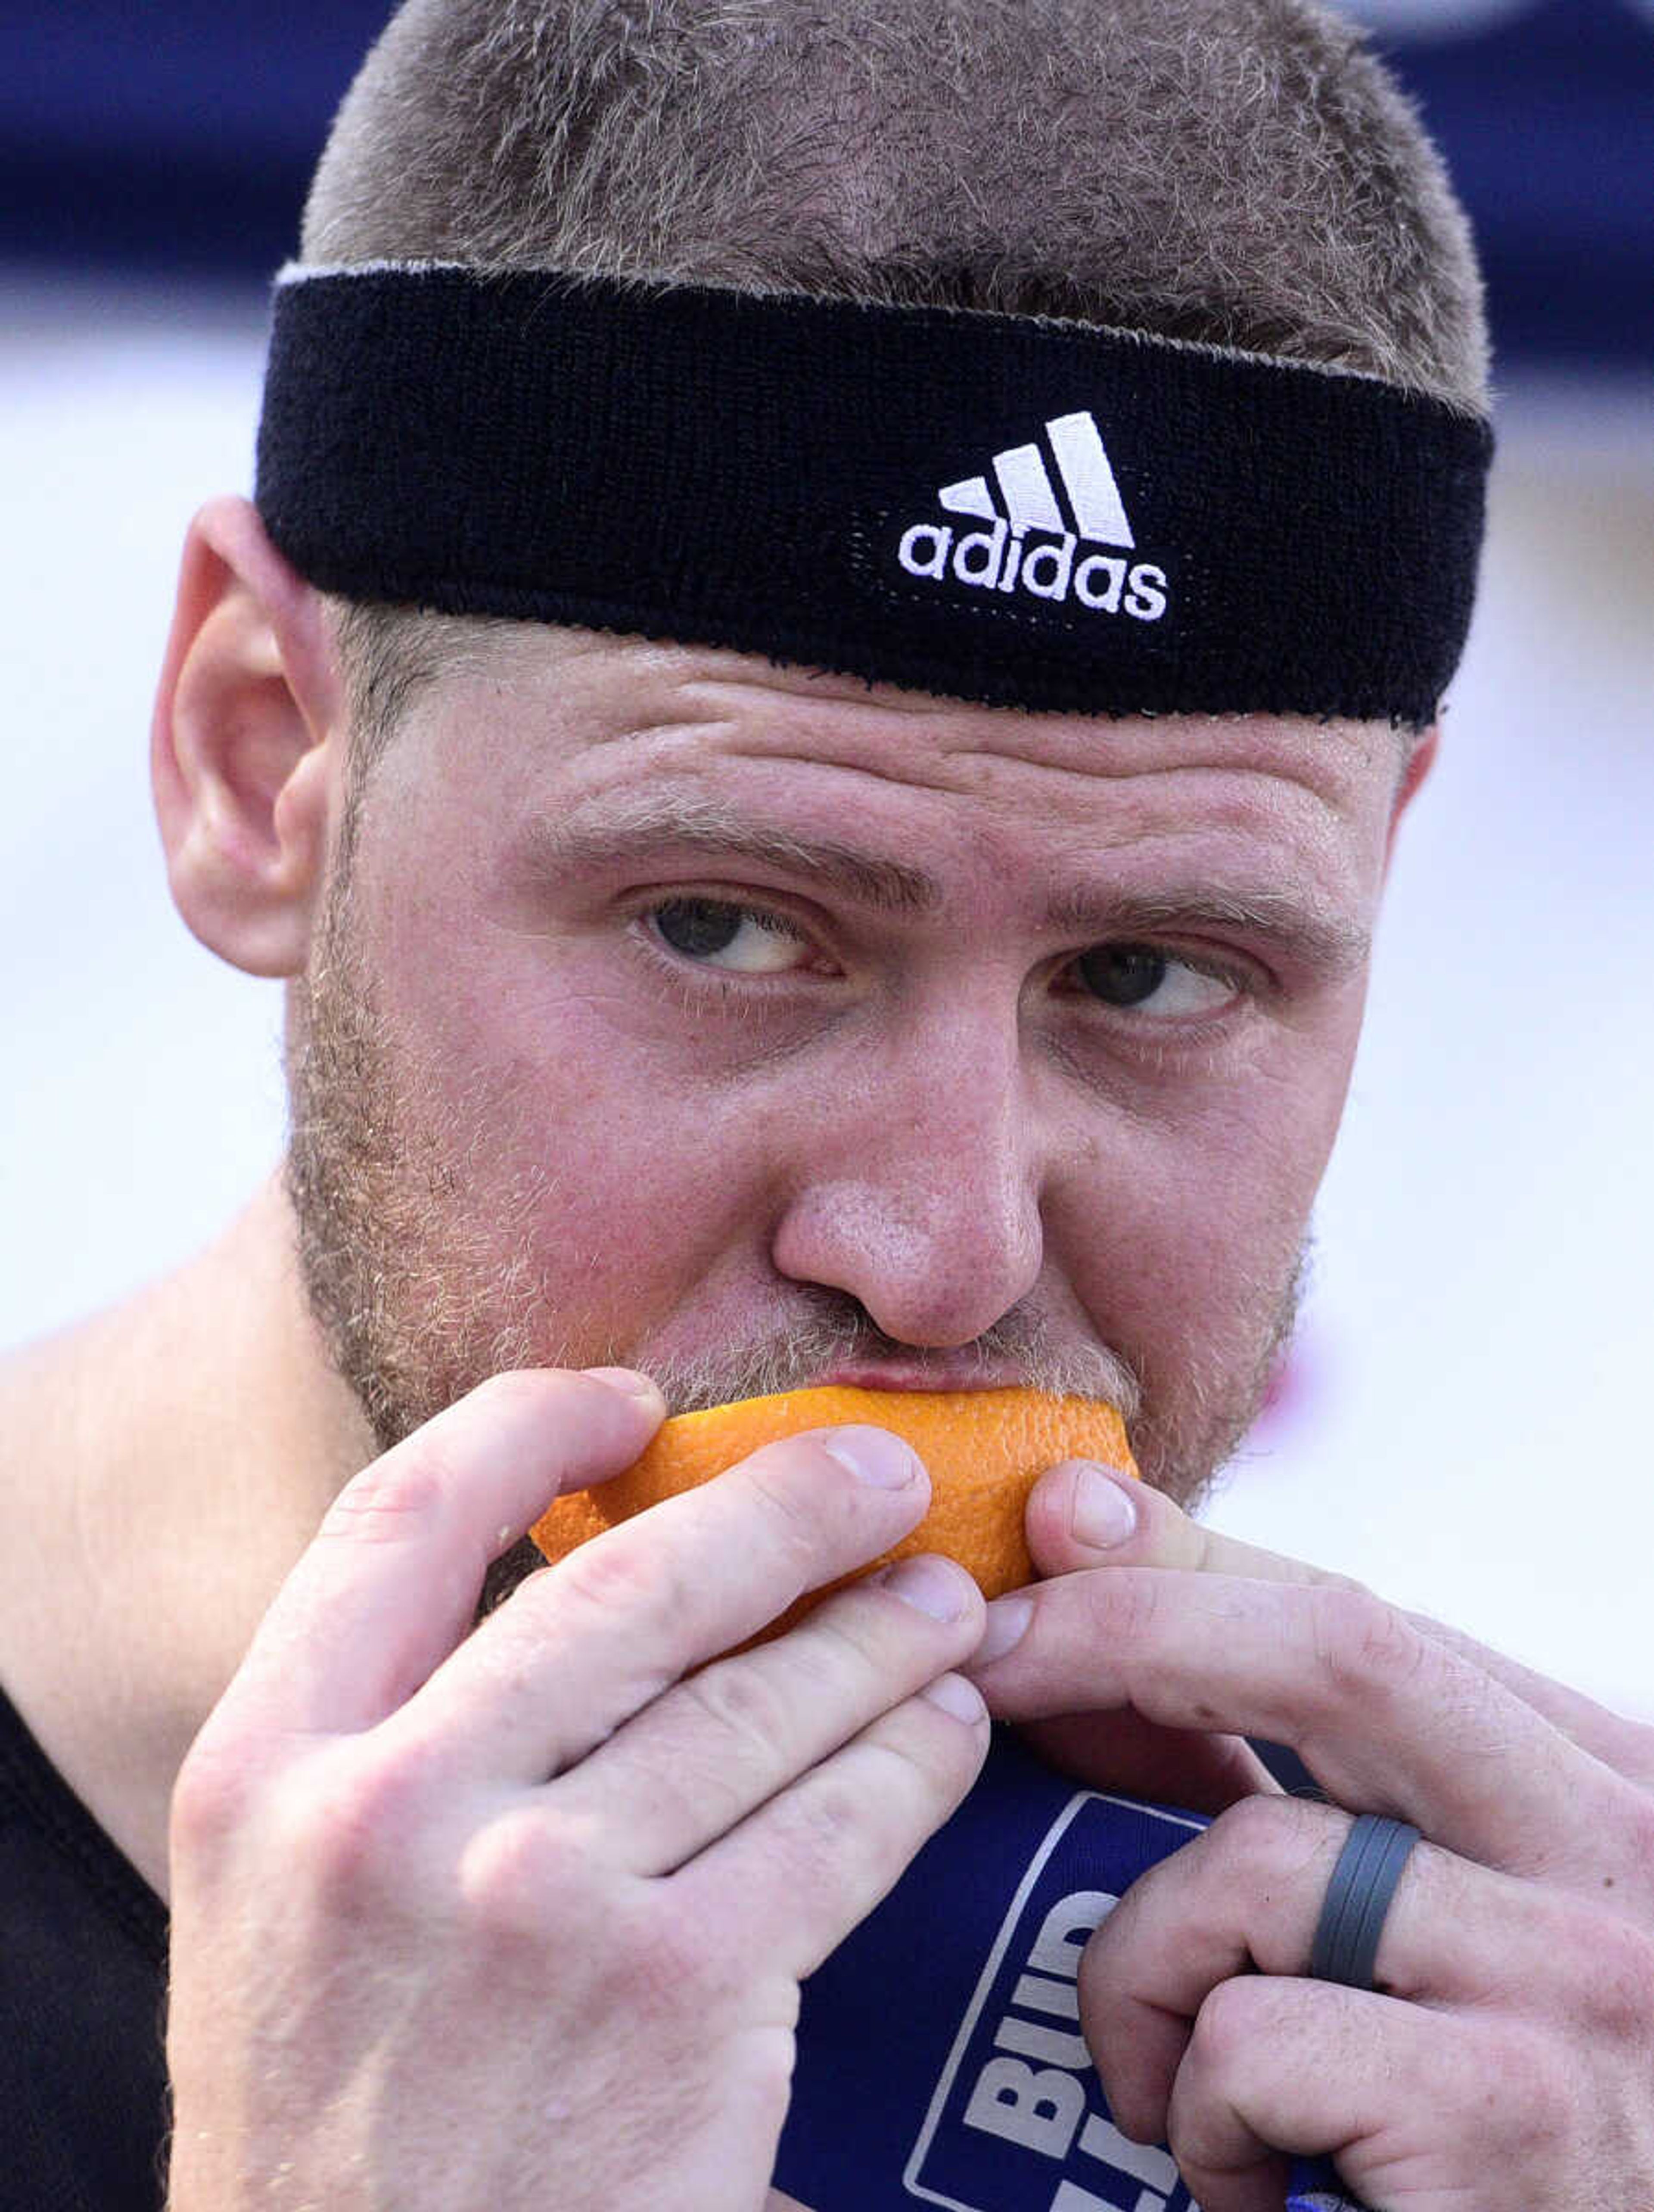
[762, 1028]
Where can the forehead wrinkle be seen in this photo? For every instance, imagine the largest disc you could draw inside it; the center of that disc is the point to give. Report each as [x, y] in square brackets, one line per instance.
[638, 825]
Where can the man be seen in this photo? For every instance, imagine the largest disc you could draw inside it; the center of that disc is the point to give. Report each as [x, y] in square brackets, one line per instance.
[823, 811]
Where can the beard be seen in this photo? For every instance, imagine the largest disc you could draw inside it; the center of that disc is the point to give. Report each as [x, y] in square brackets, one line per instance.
[416, 1261]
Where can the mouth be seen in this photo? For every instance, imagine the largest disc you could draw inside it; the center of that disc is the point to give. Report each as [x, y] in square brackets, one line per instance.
[921, 1375]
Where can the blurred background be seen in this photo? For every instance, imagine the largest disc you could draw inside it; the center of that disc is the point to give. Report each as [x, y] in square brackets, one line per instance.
[1464, 1422]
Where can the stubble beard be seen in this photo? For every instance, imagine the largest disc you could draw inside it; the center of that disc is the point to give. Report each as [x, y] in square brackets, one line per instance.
[417, 1305]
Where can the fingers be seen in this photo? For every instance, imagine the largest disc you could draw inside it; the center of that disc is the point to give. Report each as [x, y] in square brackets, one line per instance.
[793, 1880]
[706, 1754]
[1311, 2068]
[1081, 1516]
[1239, 1905]
[1627, 1746]
[1247, 1894]
[1390, 1720]
[390, 1582]
[359, 1890]
[579, 1650]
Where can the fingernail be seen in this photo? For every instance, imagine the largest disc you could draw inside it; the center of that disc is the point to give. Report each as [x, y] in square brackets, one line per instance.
[1104, 1513]
[956, 1696]
[873, 1456]
[933, 1585]
[1006, 1624]
[626, 1380]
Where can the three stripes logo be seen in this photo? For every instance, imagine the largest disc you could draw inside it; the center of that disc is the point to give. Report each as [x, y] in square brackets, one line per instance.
[1002, 556]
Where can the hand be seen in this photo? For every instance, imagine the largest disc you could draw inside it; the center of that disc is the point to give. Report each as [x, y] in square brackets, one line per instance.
[481, 1922]
[1506, 2059]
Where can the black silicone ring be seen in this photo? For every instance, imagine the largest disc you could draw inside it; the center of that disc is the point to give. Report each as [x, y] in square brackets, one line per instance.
[1358, 1899]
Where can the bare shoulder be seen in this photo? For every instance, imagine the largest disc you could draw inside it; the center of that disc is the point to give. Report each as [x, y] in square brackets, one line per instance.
[161, 1467]
[161, 1464]
[60, 1402]
[73, 1404]
[69, 1422]
[49, 1387]
[78, 1413]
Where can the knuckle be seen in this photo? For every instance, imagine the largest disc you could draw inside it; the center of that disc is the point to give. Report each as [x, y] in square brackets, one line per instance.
[519, 1878]
[674, 1951]
[925, 1762]
[1537, 2096]
[831, 1820]
[517, 1392]
[351, 1821]
[1636, 1843]
[767, 2056]
[1634, 1755]
[1110, 1966]
[627, 1571]
[393, 1498]
[1329, 1579]
[1364, 1647]
[1123, 1603]
[213, 1795]
[740, 1703]
[1226, 2030]
[1255, 1838]
[845, 1649]
[1247, 1834]
[667, 1967]
[1614, 1974]
[839, 1819]
[721, 1733]
[793, 1507]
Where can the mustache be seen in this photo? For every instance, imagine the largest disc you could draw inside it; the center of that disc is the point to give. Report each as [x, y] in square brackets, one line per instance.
[797, 1351]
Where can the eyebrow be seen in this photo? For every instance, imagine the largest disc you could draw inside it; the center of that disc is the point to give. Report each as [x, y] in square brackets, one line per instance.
[645, 828]
[647, 825]
[1325, 940]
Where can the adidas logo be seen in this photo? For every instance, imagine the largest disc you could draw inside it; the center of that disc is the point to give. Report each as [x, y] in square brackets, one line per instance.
[1002, 558]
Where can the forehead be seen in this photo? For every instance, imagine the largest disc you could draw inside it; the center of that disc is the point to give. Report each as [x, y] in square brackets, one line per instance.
[570, 725]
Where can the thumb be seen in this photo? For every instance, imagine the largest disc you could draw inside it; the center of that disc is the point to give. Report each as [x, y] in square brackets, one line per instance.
[1084, 1514]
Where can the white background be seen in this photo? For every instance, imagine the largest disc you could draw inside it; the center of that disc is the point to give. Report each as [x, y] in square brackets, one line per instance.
[1466, 1422]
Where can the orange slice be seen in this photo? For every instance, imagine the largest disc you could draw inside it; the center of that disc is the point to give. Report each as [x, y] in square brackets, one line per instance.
[985, 1450]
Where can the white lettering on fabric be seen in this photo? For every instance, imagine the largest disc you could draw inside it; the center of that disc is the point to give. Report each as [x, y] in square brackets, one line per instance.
[1048, 565]
[1017, 2121]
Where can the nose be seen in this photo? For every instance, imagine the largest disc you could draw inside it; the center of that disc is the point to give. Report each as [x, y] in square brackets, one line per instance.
[916, 1188]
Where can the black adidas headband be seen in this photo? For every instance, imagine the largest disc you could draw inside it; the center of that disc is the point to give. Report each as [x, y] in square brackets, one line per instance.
[1021, 511]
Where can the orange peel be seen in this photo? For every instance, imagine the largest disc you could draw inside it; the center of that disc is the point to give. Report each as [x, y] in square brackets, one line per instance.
[984, 1449]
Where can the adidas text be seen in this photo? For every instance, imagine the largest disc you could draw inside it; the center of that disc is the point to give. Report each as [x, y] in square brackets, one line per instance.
[994, 560]
[1024, 497]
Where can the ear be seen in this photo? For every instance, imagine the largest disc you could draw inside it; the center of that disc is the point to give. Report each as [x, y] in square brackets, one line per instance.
[1419, 762]
[246, 753]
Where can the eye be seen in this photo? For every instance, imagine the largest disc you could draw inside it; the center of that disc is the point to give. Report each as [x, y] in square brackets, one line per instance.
[1142, 978]
[742, 941]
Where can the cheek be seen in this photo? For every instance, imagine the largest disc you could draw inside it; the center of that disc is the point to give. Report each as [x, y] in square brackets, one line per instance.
[561, 1134]
[1185, 1226]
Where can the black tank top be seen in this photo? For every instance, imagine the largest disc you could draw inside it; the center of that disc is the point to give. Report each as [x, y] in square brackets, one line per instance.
[83, 1988]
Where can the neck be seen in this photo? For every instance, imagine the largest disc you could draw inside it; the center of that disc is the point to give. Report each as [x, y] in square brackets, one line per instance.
[164, 1466]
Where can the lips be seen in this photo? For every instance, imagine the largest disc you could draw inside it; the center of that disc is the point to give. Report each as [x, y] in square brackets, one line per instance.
[922, 1374]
